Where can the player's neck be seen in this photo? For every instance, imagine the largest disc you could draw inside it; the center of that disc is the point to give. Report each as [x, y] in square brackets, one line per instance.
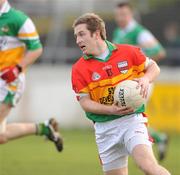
[101, 47]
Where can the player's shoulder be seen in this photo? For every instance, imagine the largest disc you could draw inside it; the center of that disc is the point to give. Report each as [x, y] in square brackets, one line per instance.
[19, 14]
[140, 27]
[125, 47]
[79, 64]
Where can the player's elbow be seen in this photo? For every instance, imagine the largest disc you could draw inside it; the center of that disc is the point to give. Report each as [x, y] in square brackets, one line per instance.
[162, 54]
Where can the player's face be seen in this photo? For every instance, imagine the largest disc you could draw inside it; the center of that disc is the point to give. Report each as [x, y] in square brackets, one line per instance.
[123, 16]
[85, 39]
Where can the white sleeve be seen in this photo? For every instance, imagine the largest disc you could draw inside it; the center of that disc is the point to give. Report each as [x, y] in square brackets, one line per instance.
[81, 95]
[145, 37]
[28, 30]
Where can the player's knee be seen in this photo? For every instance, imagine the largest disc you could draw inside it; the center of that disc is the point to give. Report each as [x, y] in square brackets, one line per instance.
[3, 138]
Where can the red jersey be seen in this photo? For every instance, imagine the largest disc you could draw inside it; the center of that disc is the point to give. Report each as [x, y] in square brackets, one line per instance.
[99, 77]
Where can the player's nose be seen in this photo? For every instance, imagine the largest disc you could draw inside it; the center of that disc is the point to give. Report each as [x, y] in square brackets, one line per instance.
[78, 40]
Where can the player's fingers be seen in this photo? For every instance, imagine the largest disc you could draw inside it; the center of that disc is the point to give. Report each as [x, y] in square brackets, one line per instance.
[124, 108]
[128, 111]
[146, 92]
[138, 81]
[142, 89]
[115, 103]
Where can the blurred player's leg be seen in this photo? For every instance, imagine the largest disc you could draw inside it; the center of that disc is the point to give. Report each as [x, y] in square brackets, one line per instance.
[4, 111]
[17, 130]
[50, 129]
[161, 139]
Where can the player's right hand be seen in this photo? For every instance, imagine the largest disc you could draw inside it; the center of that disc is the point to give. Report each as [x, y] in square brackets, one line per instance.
[9, 74]
[116, 110]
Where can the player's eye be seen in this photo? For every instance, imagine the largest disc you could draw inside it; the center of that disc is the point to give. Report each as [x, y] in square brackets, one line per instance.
[81, 34]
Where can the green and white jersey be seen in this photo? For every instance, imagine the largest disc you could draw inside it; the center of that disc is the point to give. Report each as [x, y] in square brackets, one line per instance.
[136, 34]
[17, 35]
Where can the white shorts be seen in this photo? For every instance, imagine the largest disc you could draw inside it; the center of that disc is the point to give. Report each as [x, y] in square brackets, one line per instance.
[116, 139]
[12, 92]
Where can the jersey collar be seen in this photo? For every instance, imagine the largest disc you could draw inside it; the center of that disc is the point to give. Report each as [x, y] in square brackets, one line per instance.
[111, 48]
[130, 26]
[5, 8]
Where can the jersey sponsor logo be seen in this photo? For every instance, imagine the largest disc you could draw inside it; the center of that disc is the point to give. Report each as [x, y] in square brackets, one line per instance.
[123, 67]
[109, 99]
[5, 29]
[108, 69]
[95, 76]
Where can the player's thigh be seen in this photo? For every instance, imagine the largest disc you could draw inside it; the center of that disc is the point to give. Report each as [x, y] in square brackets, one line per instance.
[119, 171]
[143, 156]
[109, 140]
[118, 165]
[137, 134]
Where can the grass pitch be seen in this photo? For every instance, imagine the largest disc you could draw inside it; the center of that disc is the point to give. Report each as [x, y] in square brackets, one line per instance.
[34, 155]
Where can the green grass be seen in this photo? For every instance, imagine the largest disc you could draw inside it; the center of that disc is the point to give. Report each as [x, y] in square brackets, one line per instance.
[33, 155]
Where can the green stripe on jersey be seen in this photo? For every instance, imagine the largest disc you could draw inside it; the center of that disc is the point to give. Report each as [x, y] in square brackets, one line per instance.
[32, 44]
[105, 118]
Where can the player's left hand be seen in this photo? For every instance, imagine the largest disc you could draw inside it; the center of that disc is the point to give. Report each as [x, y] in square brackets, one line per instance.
[143, 83]
[9, 74]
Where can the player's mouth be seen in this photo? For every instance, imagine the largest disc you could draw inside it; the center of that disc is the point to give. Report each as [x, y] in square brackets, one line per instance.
[83, 48]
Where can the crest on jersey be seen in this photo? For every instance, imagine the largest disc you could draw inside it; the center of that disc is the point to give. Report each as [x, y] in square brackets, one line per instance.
[95, 76]
[123, 67]
[5, 29]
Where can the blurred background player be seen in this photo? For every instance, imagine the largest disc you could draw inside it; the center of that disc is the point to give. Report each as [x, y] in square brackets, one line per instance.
[129, 31]
[119, 131]
[19, 47]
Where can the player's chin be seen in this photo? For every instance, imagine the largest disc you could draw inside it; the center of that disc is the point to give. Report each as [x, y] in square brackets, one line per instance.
[85, 52]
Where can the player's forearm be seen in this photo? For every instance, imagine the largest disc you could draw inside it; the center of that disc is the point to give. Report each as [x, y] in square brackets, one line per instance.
[152, 72]
[30, 57]
[89, 105]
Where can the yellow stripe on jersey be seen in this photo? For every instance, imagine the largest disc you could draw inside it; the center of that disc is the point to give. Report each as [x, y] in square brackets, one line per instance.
[135, 70]
[84, 90]
[99, 90]
[12, 87]
[34, 34]
[139, 68]
[11, 57]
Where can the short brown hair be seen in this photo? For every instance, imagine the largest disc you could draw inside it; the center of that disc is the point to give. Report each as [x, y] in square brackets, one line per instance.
[93, 22]
[124, 4]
